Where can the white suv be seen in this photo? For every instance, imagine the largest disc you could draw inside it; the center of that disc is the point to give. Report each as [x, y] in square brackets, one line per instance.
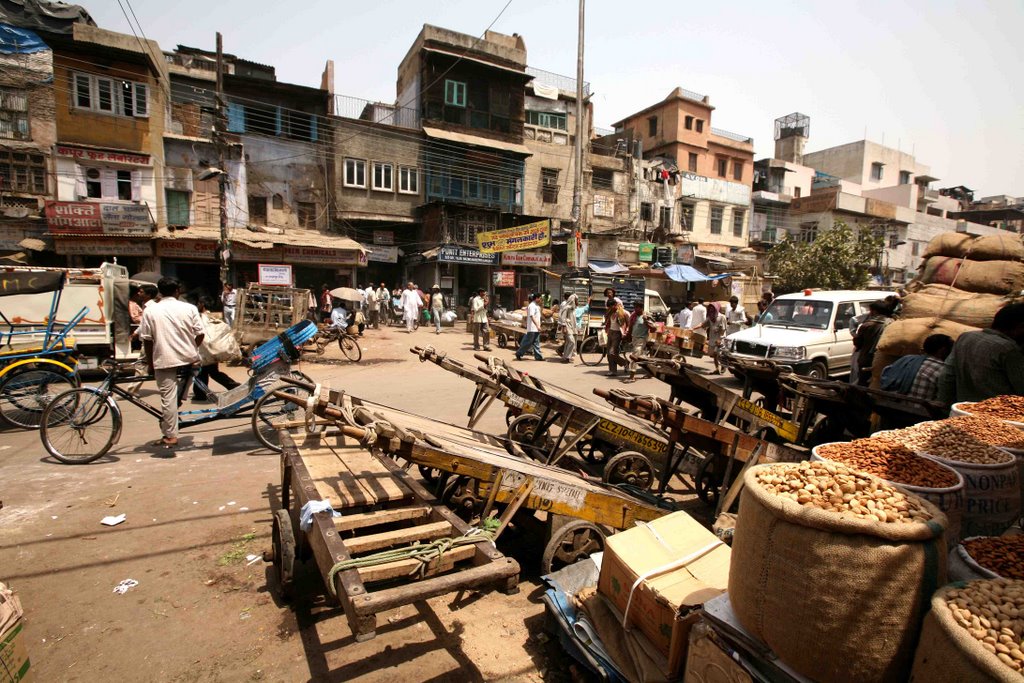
[808, 331]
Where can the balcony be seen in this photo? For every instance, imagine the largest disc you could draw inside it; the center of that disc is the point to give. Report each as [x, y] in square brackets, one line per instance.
[735, 137]
[564, 83]
[377, 112]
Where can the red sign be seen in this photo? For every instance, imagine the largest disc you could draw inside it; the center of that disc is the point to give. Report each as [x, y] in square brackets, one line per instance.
[201, 250]
[102, 155]
[74, 218]
[504, 278]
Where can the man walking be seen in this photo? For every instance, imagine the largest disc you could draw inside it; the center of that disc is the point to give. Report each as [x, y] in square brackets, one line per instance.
[171, 332]
[229, 299]
[478, 320]
[531, 340]
[698, 315]
[372, 309]
[411, 303]
[567, 321]
[616, 326]
[436, 307]
[383, 297]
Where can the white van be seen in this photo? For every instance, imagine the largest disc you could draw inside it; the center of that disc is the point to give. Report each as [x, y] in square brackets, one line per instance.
[808, 331]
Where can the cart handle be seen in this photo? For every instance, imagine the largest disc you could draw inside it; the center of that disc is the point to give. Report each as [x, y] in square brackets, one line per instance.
[308, 386]
[323, 411]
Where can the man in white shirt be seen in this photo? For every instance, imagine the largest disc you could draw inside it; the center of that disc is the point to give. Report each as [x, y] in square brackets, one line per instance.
[383, 297]
[567, 320]
[370, 297]
[531, 340]
[411, 303]
[339, 316]
[684, 315]
[735, 316]
[699, 315]
[171, 332]
[478, 320]
[229, 298]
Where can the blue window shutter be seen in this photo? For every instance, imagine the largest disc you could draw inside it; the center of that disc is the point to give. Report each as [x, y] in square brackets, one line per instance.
[312, 128]
[277, 121]
[236, 118]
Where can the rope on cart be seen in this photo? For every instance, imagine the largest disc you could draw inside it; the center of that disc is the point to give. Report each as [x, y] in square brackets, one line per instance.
[311, 401]
[428, 351]
[497, 367]
[425, 553]
[625, 396]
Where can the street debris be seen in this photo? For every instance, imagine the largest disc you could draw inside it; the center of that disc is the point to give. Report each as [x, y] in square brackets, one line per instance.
[114, 520]
[125, 586]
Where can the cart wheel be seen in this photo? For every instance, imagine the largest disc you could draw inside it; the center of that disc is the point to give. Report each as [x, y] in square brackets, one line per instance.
[429, 474]
[459, 495]
[283, 550]
[629, 467]
[708, 482]
[511, 414]
[590, 450]
[570, 544]
[502, 340]
[523, 440]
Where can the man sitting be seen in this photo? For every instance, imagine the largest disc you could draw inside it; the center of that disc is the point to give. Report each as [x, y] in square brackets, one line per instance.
[917, 375]
[339, 315]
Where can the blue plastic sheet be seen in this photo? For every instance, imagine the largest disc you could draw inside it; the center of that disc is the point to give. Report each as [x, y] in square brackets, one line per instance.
[14, 41]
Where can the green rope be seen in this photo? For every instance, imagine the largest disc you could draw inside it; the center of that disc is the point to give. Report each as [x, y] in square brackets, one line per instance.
[425, 553]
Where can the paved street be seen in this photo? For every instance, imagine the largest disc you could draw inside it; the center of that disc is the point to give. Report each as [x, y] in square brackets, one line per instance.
[202, 610]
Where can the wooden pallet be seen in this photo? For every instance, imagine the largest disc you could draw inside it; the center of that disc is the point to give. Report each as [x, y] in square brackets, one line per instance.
[382, 507]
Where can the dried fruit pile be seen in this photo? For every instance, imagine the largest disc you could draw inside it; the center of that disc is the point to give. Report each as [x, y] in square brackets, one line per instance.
[892, 461]
[992, 611]
[1007, 407]
[1003, 555]
[955, 440]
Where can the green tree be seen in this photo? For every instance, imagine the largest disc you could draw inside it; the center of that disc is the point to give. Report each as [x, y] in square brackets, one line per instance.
[840, 258]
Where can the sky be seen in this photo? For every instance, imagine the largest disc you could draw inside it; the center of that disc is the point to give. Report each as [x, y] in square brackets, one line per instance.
[938, 78]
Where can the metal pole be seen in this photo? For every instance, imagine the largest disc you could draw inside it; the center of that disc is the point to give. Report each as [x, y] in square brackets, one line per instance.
[222, 179]
[577, 194]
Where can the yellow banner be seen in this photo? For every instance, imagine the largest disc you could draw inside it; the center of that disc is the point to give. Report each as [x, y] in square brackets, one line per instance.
[529, 236]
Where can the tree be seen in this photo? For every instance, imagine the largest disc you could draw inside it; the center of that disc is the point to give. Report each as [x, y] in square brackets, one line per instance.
[839, 258]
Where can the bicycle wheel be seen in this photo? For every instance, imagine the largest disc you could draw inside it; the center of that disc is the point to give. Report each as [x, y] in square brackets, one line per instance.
[79, 426]
[591, 352]
[271, 411]
[24, 395]
[350, 348]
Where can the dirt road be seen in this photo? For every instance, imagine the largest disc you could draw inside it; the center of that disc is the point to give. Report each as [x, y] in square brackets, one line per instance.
[196, 525]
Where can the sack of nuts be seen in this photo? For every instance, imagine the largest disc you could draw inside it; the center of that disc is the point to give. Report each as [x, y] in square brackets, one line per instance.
[988, 557]
[833, 569]
[974, 632]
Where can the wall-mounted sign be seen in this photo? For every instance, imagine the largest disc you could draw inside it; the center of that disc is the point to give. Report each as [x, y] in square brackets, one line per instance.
[101, 155]
[454, 254]
[685, 254]
[325, 256]
[103, 247]
[381, 254]
[95, 218]
[275, 274]
[604, 206]
[383, 237]
[526, 258]
[195, 250]
[529, 236]
[645, 252]
[504, 278]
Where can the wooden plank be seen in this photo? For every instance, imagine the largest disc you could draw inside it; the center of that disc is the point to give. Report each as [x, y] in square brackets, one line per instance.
[405, 568]
[361, 520]
[373, 477]
[334, 482]
[388, 539]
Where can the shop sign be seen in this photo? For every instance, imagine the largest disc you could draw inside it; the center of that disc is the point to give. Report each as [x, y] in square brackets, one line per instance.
[104, 247]
[244, 252]
[526, 258]
[645, 252]
[583, 246]
[381, 254]
[275, 274]
[323, 256]
[193, 250]
[454, 254]
[529, 236]
[95, 218]
[383, 237]
[100, 155]
[685, 254]
[604, 206]
[504, 278]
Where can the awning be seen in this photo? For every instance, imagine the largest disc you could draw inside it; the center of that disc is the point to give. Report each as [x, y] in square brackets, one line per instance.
[606, 267]
[476, 140]
[681, 273]
[464, 58]
[263, 240]
[713, 258]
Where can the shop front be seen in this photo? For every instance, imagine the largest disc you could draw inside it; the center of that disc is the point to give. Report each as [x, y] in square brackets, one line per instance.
[89, 233]
[526, 275]
[461, 271]
[381, 266]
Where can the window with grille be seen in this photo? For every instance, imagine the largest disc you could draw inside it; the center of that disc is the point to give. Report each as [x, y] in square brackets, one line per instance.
[692, 162]
[14, 114]
[737, 222]
[665, 217]
[689, 123]
[646, 211]
[22, 172]
[177, 207]
[723, 167]
[110, 95]
[258, 210]
[549, 185]
[652, 126]
[737, 170]
[716, 220]
[700, 126]
[686, 216]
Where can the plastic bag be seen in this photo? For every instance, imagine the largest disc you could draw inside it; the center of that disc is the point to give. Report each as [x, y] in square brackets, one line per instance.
[219, 343]
[449, 317]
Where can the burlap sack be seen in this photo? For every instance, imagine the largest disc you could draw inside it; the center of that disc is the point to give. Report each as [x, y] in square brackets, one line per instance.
[1006, 247]
[949, 303]
[992, 277]
[882, 361]
[991, 495]
[947, 653]
[837, 598]
[962, 566]
[902, 337]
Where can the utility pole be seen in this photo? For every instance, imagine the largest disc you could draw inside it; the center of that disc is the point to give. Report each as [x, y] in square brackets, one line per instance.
[219, 130]
[577, 193]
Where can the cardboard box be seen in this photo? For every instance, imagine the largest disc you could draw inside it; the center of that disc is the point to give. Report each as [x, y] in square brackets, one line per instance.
[14, 664]
[683, 565]
[708, 662]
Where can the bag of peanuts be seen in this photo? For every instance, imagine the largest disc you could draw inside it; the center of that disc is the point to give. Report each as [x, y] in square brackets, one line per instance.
[1006, 247]
[992, 277]
[956, 305]
[973, 633]
[837, 593]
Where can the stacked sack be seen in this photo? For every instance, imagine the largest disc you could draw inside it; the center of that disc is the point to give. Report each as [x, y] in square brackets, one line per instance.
[963, 281]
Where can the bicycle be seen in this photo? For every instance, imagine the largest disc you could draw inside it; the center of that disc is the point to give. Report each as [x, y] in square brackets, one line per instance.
[591, 351]
[81, 425]
[346, 342]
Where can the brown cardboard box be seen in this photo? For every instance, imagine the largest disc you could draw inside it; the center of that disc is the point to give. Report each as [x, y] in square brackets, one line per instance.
[14, 664]
[683, 564]
[708, 662]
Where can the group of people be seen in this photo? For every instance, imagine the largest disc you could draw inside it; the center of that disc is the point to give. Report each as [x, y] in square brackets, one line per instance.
[711, 324]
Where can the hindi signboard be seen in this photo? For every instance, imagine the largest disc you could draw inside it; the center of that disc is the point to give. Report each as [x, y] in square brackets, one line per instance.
[98, 218]
[275, 274]
[375, 252]
[504, 278]
[529, 236]
[526, 258]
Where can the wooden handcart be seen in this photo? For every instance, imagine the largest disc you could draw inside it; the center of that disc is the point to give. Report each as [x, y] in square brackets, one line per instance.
[382, 509]
[510, 333]
[486, 477]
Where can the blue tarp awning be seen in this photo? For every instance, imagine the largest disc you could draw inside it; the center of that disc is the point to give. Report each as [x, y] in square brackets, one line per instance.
[681, 273]
[15, 40]
[606, 267]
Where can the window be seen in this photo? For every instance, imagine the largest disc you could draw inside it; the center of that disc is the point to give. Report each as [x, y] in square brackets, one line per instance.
[844, 313]
[716, 220]
[894, 241]
[14, 114]
[686, 216]
[22, 172]
[258, 210]
[904, 177]
[547, 120]
[549, 185]
[688, 122]
[876, 170]
[723, 167]
[455, 93]
[383, 178]
[652, 126]
[109, 184]
[355, 173]
[408, 180]
[177, 207]
[796, 192]
[307, 214]
[665, 218]
[692, 163]
[124, 185]
[700, 126]
[603, 179]
[110, 95]
[278, 202]
[737, 170]
[646, 211]
[808, 232]
[93, 183]
[737, 222]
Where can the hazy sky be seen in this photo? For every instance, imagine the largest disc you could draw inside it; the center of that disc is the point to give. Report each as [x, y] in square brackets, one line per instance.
[940, 78]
